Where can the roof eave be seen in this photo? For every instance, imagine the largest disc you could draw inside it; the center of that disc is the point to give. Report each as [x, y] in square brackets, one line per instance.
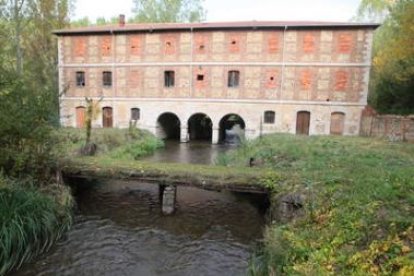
[213, 28]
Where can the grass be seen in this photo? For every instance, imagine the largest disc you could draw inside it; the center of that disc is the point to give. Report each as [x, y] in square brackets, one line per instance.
[359, 205]
[30, 222]
[118, 143]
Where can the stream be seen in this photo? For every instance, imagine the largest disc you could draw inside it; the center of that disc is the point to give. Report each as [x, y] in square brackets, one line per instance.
[119, 230]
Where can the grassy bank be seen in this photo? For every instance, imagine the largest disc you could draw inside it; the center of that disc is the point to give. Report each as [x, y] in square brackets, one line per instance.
[359, 205]
[31, 220]
[121, 144]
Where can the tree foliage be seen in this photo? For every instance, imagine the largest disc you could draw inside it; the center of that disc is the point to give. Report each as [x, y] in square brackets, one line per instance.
[28, 83]
[392, 78]
[168, 11]
[374, 10]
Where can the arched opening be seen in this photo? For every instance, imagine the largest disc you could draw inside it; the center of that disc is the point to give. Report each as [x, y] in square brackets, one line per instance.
[231, 125]
[337, 123]
[80, 116]
[107, 116]
[200, 127]
[168, 126]
[303, 122]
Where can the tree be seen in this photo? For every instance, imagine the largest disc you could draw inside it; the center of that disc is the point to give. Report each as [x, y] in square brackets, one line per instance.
[168, 11]
[392, 73]
[374, 10]
[392, 81]
[82, 22]
[32, 47]
[25, 147]
[28, 84]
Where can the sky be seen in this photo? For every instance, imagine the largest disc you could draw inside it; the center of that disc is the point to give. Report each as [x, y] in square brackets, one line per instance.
[238, 10]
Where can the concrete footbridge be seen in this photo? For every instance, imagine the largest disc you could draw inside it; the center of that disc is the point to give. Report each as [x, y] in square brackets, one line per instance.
[170, 175]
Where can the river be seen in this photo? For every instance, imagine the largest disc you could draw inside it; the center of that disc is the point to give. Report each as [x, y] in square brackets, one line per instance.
[119, 230]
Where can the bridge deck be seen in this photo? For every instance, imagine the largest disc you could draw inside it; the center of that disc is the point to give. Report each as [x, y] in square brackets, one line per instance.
[217, 178]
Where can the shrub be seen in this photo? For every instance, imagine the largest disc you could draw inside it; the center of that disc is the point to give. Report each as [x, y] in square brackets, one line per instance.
[30, 223]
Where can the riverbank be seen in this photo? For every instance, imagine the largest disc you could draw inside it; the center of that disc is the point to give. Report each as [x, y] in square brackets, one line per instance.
[357, 200]
[31, 220]
[33, 215]
[119, 144]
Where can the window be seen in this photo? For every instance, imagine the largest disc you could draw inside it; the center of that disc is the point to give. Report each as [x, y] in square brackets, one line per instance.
[107, 78]
[80, 78]
[200, 77]
[233, 79]
[169, 78]
[269, 117]
[135, 114]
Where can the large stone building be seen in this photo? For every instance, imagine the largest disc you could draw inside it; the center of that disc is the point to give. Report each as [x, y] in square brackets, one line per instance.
[192, 81]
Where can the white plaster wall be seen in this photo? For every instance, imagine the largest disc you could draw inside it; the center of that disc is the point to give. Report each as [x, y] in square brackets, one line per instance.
[251, 112]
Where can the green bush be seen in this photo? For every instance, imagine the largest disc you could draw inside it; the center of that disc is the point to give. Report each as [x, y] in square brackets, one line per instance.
[118, 143]
[138, 148]
[30, 223]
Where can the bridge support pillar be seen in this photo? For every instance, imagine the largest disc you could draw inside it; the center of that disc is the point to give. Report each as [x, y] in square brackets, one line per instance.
[184, 135]
[215, 136]
[169, 195]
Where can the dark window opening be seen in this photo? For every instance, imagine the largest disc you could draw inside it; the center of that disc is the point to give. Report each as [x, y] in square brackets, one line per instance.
[233, 42]
[80, 78]
[135, 114]
[169, 78]
[168, 44]
[200, 77]
[201, 47]
[269, 117]
[107, 78]
[272, 78]
[233, 79]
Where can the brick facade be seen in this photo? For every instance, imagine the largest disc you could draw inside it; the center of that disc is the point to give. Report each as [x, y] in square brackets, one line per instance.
[285, 69]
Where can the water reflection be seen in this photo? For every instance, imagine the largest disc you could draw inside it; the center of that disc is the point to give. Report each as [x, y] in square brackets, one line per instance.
[195, 152]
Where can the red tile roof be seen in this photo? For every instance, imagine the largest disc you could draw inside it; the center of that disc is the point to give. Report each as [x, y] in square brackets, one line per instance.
[213, 25]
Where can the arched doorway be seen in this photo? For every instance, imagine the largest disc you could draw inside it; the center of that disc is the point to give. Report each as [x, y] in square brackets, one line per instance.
[303, 122]
[200, 127]
[107, 116]
[80, 116]
[168, 126]
[231, 122]
[337, 123]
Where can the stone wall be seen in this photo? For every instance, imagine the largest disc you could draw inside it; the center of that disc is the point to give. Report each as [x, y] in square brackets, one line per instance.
[393, 127]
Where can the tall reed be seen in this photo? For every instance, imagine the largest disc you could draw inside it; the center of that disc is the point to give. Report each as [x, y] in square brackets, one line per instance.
[30, 223]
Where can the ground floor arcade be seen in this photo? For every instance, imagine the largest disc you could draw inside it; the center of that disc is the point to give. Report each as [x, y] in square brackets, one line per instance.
[209, 120]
